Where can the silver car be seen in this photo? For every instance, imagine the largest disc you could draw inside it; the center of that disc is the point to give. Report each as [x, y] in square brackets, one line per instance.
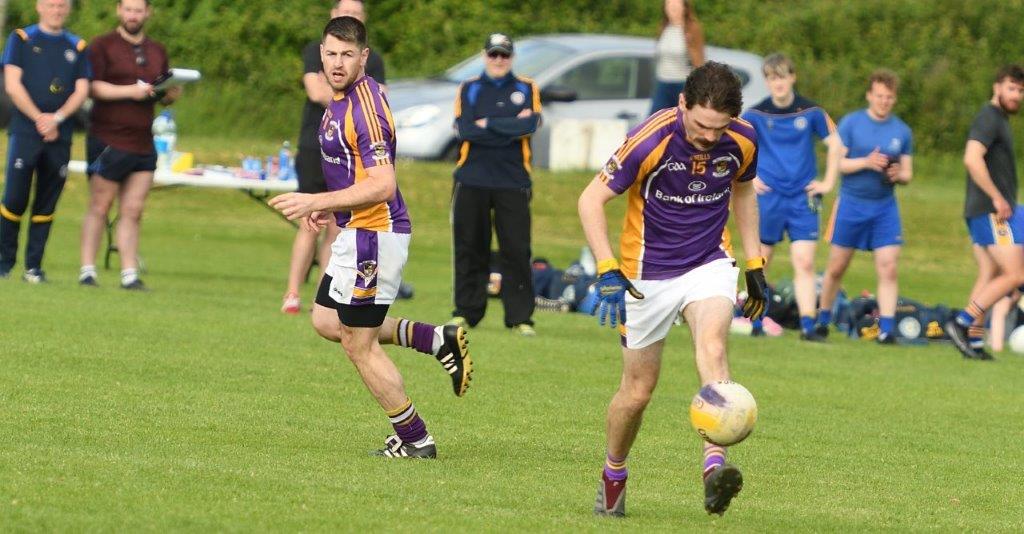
[580, 76]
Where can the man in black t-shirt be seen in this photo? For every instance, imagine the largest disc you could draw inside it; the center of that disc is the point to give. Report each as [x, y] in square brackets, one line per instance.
[307, 161]
[995, 221]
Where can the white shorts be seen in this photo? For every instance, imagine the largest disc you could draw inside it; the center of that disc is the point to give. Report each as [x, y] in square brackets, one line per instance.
[366, 266]
[649, 320]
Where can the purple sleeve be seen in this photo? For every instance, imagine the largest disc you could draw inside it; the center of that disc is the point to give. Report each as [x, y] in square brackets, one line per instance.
[623, 168]
[373, 125]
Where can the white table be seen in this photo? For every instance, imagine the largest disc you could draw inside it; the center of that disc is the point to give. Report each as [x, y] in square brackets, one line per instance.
[258, 190]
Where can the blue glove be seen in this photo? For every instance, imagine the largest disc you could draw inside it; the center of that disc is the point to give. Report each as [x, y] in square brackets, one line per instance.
[611, 288]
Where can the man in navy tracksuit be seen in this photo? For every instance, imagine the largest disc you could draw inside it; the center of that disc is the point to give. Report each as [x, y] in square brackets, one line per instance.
[495, 114]
[46, 75]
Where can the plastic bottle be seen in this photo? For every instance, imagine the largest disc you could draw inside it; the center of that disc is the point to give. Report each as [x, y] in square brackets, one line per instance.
[165, 137]
[286, 164]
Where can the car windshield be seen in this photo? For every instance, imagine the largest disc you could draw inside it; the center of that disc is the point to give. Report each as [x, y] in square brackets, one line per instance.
[532, 58]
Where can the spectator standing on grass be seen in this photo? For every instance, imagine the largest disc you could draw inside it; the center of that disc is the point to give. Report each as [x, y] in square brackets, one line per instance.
[788, 196]
[46, 76]
[680, 49]
[994, 219]
[120, 150]
[496, 113]
[876, 157]
[307, 162]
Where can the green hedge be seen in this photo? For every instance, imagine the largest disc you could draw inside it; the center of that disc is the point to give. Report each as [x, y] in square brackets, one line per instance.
[248, 50]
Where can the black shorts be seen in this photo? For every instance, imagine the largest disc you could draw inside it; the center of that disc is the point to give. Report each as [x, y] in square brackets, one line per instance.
[310, 170]
[366, 316]
[116, 165]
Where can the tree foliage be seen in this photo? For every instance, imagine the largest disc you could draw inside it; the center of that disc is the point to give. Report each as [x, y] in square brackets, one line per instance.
[945, 50]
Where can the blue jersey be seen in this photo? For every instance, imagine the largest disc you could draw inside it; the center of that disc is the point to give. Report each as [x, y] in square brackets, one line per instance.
[50, 65]
[862, 135]
[786, 160]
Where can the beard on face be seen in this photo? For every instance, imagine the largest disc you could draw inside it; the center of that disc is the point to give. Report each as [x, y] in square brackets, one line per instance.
[132, 28]
[1009, 106]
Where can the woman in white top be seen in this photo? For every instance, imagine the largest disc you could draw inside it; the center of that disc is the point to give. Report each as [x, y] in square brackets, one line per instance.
[680, 49]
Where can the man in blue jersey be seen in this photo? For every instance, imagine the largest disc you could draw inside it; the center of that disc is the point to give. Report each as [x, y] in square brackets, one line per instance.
[994, 219]
[46, 75]
[789, 197]
[876, 157]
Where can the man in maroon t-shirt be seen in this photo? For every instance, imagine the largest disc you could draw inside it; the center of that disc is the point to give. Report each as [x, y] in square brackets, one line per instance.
[120, 143]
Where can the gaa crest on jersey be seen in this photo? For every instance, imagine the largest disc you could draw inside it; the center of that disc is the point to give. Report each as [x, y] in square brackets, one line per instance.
[612, 166]
[380, 151]
[895, 146]
[367, 270]
[70, 55]
[517, 98]
[332, 127]
[720, 166]
[800, 123]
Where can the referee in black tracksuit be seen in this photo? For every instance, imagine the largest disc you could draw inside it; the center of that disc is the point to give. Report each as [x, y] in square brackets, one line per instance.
[495, 114]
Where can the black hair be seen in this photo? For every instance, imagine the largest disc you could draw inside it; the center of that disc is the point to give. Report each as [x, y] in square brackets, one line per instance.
[716, 86]
[347, 29]
[1014, 72]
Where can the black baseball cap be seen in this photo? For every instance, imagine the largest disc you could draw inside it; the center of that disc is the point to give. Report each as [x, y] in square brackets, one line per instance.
[498, 42]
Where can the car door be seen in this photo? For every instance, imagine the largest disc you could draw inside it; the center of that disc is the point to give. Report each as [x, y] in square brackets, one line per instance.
[607, 87]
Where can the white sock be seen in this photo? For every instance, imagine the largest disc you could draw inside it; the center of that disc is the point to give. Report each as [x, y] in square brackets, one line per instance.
[438, 340]
[87, 271]
[128, 276]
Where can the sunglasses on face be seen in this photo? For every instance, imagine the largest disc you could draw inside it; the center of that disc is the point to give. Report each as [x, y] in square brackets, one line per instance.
[496, 55]
[140, 55]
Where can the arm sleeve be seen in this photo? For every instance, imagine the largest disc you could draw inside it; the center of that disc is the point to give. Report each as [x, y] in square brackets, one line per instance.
[623, 168]
[515, 127]
[83, 67]
[468, 130]
[823, 125]
[98, 61]
[908, 143]
[311, 63]
[983, 130]
[846, 132]
[12, 50]
[373, 129]
[748, 167]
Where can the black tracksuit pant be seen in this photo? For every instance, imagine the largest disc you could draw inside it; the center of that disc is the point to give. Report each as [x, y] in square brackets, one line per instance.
[472, 209]
[28, 155]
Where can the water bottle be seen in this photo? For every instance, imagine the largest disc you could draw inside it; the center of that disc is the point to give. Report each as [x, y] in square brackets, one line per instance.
[285, 162]
[165, 136]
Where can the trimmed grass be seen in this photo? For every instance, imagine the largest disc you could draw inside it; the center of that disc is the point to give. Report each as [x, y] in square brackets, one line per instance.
[199, 407]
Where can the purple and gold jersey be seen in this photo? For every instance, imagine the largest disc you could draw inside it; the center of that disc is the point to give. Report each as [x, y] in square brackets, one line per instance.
[356, 133]
[678, 200]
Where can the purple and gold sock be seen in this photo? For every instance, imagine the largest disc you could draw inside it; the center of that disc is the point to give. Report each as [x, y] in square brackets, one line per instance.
[615, 467]
[407, 423]
[421, 337]
[976, 336]
[714, 456]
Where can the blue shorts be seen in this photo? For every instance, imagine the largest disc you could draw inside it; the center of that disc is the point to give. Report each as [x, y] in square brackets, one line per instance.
[985, 231]
[791, 215]
[865, 224]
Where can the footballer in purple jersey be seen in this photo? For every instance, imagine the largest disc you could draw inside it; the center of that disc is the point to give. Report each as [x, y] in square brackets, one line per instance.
[361, 281]
[681, 170]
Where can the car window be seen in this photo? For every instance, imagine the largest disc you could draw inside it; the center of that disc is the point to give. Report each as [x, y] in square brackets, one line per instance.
[531, 58]
[613, 78]
[742, 75]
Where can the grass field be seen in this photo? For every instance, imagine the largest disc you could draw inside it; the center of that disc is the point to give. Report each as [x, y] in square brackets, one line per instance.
[199, 407]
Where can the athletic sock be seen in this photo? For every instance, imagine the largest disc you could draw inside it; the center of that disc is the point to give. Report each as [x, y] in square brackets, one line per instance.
[615, 467]
[714, 456]
[806, 324]
[86, 271]
[128, 276]
[422, 337]
[970, 314]
[757, 324]
[824, 317]
[407, 423]
[976, 336]
[886, 324]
